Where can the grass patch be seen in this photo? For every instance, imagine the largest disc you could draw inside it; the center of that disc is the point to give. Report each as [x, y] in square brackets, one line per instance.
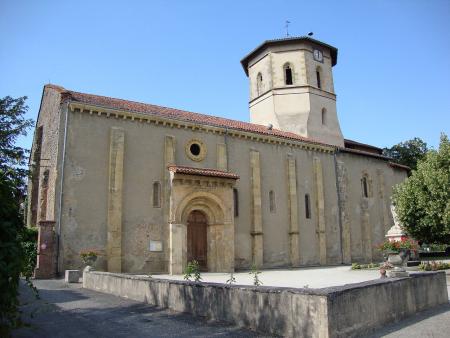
[434, 266]
[370, 266]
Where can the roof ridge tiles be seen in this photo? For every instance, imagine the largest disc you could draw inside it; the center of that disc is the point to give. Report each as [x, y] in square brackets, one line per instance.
[189, 167]
[201, 171]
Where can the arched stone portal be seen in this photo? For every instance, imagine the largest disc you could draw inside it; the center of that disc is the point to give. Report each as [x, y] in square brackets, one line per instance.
[212, 197]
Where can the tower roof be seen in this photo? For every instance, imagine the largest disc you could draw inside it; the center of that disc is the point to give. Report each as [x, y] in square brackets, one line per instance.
[286, 41]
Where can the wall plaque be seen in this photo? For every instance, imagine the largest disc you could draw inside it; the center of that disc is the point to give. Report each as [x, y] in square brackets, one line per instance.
[155, 246]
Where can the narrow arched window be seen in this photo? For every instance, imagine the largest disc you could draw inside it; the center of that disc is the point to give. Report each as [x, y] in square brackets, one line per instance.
[307, 206]
[288, 74]
[156, 195]
[365, 187]
[319, 83]
[259, 83]
[236, 202]
[324, 116]
[272, 206]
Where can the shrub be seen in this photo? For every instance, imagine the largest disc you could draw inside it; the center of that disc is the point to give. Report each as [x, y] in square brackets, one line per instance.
[232, 279]
[386, 266]
[434, 266]
[17, 257]
[357, 266]
[255, 272]
[396, 246]
[28, 240]
[14, 260]
[87, 254]
[193, 271]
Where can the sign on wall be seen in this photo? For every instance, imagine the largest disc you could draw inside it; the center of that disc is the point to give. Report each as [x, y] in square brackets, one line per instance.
[155, 246]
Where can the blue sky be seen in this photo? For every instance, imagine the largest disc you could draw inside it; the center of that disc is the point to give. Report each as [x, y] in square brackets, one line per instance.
[392, 78]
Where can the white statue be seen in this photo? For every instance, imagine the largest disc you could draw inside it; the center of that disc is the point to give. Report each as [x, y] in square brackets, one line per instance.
[395, 232]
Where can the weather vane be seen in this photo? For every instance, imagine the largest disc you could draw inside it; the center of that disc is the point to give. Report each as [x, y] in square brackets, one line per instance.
[287, 27]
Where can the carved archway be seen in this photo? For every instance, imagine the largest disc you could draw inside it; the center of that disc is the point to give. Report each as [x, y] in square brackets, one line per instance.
[206, 202]
[209, 192]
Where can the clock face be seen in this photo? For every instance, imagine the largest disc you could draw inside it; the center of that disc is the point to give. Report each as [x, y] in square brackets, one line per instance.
[318, 56]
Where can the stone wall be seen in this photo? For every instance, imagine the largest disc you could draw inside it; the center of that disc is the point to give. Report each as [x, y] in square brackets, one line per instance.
[95, 211]
[356, 309]
[46, 251]
[364, 220]
[298, 107]
[281, 236]
[345, 311]
[44, 154]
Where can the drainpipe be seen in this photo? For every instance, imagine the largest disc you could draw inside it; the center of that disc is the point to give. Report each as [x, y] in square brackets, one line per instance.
[58, 231]
[339, 203]
[226, 145]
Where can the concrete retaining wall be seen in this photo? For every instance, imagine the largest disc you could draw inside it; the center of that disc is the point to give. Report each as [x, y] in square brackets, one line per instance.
[344, 311]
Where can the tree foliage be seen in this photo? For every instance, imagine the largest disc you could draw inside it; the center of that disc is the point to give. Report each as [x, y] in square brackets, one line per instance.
[423, 200]
[408, 153]
[13, 258]
[12, 157]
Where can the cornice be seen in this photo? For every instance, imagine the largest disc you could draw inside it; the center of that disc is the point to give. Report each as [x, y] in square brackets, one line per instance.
[94, 110]
[288, 88]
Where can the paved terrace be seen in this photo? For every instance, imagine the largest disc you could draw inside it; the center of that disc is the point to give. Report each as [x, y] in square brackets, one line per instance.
[318, 277]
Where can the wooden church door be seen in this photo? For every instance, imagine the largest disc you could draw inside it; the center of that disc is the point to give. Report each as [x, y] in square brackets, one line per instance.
[196, 239]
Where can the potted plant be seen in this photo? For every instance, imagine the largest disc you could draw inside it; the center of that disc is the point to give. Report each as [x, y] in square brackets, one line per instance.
[89, 257]
[398, 253]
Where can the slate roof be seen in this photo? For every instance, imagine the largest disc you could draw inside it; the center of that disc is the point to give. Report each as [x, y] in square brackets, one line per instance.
[202, 171]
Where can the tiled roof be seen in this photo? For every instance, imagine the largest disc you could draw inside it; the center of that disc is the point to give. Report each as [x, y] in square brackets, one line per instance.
[362, 146]
[182, 115]
[364, 153]
[177, 114]
[201, 171]
[398, 165]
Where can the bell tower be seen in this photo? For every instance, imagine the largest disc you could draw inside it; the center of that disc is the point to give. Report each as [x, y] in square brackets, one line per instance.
[291, 88]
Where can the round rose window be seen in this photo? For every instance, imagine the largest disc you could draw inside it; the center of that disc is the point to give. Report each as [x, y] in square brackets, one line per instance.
[196, 150]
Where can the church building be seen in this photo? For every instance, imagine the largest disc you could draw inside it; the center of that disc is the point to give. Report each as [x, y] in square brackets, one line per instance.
[152, 188]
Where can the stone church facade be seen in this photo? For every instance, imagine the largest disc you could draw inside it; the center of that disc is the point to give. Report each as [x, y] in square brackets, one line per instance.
[152, 187]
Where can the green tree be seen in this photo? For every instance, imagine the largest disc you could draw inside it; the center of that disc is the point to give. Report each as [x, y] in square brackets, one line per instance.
[13, 260]
[12, 157]
[422, 201]
[408, 152]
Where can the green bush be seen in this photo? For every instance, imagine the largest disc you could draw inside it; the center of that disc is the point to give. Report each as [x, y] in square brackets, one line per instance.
[17, 257]
[193, 271]
[28, 240]
[357, 266]
[436, 247]
[255, 272]
[14, 260]
[434, 266]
